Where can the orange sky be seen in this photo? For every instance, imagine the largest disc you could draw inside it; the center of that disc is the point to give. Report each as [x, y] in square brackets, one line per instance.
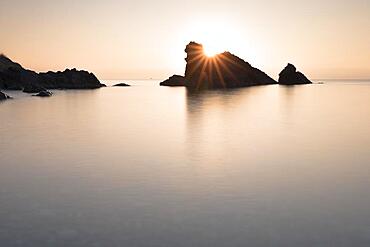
[144, 38]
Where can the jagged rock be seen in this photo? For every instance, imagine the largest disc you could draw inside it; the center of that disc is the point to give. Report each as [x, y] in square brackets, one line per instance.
[30, 88]
[174, 81]
[14, 77]
[69, 79]
[44, 93]
[224, 70]
[3, 96]
[121, 85]
[290, 76]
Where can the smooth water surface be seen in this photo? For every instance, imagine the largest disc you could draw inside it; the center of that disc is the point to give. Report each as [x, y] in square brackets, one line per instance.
[157, 166]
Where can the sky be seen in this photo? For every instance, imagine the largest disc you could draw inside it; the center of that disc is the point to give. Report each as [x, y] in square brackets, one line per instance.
[141, 39]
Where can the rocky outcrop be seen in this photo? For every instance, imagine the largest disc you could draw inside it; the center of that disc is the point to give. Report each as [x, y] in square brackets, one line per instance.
[14, 77]
[121, 85]
[44, 93]
[3, 96]
[69, 79]
[174, 81]
[224, 70]
[290, 76]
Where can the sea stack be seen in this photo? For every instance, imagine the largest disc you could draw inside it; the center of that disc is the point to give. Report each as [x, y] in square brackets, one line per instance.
[290, 76]
[224, 70]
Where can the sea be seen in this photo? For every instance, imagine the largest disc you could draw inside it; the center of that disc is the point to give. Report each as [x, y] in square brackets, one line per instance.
[151, 166]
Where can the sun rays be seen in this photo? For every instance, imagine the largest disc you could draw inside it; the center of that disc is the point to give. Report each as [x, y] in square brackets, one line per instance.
[207, 70]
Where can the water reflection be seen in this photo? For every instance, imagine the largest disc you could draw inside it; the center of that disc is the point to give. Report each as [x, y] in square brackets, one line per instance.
[156, 166]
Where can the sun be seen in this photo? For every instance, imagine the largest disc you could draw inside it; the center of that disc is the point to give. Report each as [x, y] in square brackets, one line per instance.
[211, 50]
[215, 34]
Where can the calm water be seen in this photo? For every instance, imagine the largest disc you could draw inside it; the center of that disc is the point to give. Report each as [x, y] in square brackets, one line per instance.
[156, 166]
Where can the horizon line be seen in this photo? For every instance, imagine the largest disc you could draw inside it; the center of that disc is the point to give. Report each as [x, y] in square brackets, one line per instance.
[315, 79]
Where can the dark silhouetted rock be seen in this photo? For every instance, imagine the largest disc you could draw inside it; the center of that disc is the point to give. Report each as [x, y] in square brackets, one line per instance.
[14, 77]
[3, 96]
[121, 85]
[174, 81]
[44, 93]
[224, 70]
[290, 76]
[30, 88]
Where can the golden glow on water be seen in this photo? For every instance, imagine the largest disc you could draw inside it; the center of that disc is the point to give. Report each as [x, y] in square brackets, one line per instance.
[213, 168]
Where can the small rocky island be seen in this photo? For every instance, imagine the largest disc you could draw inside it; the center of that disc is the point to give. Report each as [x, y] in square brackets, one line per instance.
[121, 85]
[14, 77]
[226, 70]
[174, 81]
[43, 93]
[290, 76]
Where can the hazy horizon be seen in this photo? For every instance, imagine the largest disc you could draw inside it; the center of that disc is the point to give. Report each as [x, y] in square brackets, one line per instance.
[146, 39]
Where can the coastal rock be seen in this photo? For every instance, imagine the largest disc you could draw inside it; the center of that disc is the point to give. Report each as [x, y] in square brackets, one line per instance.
[69, 79]
[44, 93]
[121, 85]
[174, 81]
[224, 70]
[290, 76]
[3, 96]
[14, 77]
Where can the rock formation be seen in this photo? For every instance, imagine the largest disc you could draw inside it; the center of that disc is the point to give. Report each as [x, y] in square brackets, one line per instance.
[290, 76]
[3, 96]
[14, 77]
[44, 93]
[174, 81]
[121, 85]
[224, 70]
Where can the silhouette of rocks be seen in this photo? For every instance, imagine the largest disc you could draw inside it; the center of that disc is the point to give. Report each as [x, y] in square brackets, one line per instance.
[174, 81]
[43, 93]
[121, 85]
[3, 96]
[224, 70]
[14, 77]
[290, 76]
